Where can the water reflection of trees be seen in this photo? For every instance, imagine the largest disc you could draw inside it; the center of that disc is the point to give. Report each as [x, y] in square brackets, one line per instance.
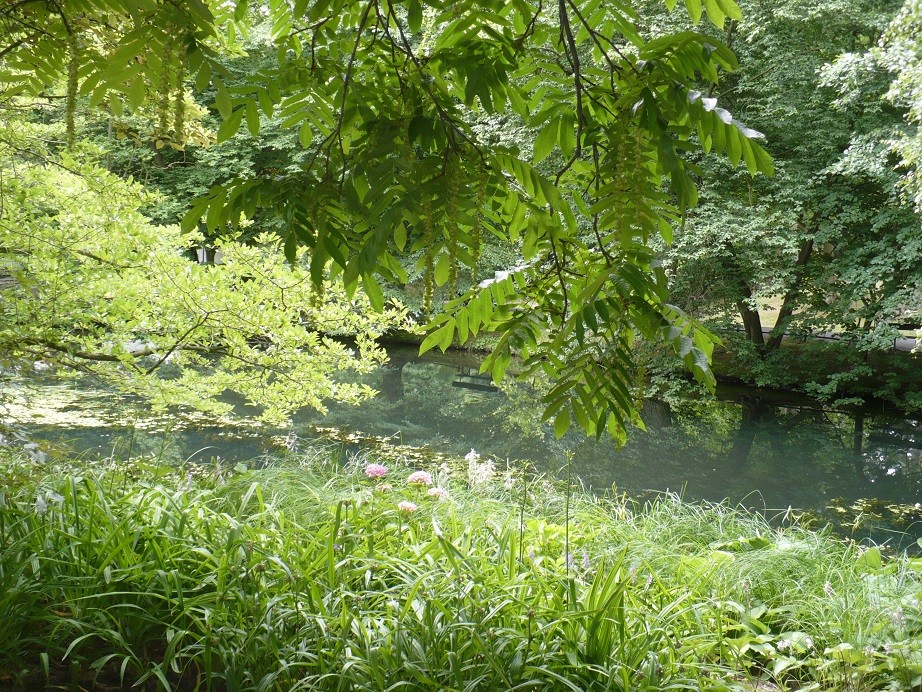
[792, 453]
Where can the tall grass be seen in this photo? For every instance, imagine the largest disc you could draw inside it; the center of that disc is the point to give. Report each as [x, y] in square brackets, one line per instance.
[304, 575]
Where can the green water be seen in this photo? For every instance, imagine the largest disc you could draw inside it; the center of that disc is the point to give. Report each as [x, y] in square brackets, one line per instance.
[765, 454]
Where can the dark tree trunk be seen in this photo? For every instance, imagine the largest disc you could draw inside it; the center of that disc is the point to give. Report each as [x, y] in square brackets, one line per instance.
[858, 436]
[789, 302]
[392, 382]
[752, 322]
[656, 414]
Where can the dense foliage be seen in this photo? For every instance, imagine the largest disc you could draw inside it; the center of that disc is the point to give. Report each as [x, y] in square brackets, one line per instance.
[828, 242]
[91, 284]
[299, 576]
[394, 104]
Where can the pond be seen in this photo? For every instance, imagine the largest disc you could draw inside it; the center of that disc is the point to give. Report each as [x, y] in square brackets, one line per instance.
[768, 454]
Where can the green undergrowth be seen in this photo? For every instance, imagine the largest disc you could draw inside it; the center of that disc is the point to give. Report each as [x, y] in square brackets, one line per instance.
[833, 372]
[303, 574]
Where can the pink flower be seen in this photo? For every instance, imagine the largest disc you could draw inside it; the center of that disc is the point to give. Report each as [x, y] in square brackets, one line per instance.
[419, 478]
[405, 506]
[375, 471]
[438, 492]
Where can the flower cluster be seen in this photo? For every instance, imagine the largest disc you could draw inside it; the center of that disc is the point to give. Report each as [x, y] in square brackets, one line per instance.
[419, 478]
[479, 472]
[375, 471]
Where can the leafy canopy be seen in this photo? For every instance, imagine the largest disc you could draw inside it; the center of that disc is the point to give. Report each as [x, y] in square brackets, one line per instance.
[392, 100]
[90, 283]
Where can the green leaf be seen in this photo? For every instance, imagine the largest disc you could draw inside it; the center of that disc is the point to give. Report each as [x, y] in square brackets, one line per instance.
[223, 101]
[546, 140]
[137, 92]
[432, 339]
[400, 236]
[694, 10]
[567, 136]
[305, 135]
[734, 148]
[731, 9]
[203, 78]
[230, 126]
[441, 337]
[442, 269]
[415, 16]
[373, 291]
[562, 423]
[291, 248]
[870, 558]
[715, 13]
[763, 161]
[252, 118]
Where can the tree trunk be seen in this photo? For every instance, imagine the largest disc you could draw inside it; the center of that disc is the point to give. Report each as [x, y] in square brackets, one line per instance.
[752, 322]
[788, 304]
[858, 436]
[392, 383]
[656, 414]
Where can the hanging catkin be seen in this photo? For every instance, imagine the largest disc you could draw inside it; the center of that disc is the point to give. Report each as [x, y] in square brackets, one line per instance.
[165, 91]
[451, 228]
[476, 231]
[73, 65]
[179, 105]
[428, 257]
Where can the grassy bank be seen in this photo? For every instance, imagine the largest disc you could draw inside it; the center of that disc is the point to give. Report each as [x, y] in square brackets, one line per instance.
[305, 575]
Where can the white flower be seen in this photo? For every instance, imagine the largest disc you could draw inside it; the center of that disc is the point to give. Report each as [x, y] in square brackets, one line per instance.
[478, 472]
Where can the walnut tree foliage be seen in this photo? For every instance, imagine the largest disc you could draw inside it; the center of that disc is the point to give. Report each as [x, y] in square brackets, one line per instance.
[389, 99]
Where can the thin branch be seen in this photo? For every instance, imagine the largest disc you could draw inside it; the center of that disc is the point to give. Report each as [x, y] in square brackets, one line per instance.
[177, 344]
[443, 115]
[13, 46]
[346, 81]
[566, 37]
[84, 355]
[563, 284]
[595, 217]
[594, 35]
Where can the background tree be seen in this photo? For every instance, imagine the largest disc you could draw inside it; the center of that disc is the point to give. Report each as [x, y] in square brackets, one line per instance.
[827, 242]
[93, 285]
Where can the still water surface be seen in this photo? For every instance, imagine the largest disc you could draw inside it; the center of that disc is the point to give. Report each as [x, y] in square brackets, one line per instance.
[742, 447]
